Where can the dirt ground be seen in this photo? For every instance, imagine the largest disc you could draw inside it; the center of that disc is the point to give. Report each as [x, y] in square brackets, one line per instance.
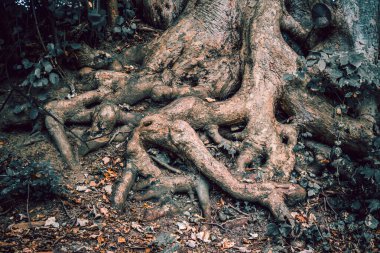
[86, 222]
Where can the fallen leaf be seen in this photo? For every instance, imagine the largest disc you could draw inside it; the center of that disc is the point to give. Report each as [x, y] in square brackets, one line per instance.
[106, 160]
[191, 244]
[81, 188]
[226, 244]
[100, 239]
[210, 100]
[93, 184]
[82, 222]
[300, 218]
[121, 240]
[204, 236]
[104, 211]
[108, 189]
[137, 226]
[182, 225]
[51, 222]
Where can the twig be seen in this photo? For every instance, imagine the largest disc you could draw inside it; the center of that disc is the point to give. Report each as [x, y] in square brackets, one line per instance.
[5, 212]
[213, 224]
[49, 114]
[6, 100]
[65, 209]
[36, 23]
[328, 203]
[237, 210]
[165, 165]
[27, 207]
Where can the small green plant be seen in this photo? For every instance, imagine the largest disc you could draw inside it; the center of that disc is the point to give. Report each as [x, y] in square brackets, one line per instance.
[17, 177]
[125, 27]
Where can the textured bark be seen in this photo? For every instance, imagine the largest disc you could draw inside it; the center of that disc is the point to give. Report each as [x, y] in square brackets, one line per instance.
[221, 63]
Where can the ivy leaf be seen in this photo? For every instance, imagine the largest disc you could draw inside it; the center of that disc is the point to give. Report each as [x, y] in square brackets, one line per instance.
[50, 47]
[33, 114]
[120, 20]
[335, 73]
[53, 78]
[371, 222]
[374, 205]
[19, 109]
[75, 46]
[288, 77]
[42, 96]
[272, 230]
[26, 63]
[37, 72]
[47, 66]
[117, 29]
[356, 59]
[343, 60]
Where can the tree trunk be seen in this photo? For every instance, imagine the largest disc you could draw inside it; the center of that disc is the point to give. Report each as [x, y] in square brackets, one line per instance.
[222, 64]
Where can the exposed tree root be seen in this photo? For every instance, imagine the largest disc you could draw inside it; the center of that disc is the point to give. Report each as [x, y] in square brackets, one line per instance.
[221, 64]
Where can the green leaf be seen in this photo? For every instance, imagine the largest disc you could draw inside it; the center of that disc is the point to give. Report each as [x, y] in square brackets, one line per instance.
[50, 47]
[335, 73]
[288, 77]
[371, 222]
[54, 78]
[47, 66]
[356, 59]
[120, 20]
[343, 60]
[374, 205]
[348, 94]
[26, 63]
[37, 72]
[75, 46]
[19, 109]
[133, 26]
[33, 114]
[117, 29]
[42, 96]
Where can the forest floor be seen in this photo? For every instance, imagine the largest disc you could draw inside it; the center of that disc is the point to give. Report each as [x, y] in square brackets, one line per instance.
[84, 220]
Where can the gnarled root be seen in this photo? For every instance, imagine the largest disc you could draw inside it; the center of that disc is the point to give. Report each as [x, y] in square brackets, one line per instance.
[179, 137]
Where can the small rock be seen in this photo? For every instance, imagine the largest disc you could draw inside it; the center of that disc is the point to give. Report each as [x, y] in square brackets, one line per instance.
[187, 213]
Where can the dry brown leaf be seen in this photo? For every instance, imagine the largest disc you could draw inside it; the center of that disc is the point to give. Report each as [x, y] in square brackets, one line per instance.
[100, 239]
[226, 244]
[104, 211]
[106, 160]
[300, 218]
[121, 240]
